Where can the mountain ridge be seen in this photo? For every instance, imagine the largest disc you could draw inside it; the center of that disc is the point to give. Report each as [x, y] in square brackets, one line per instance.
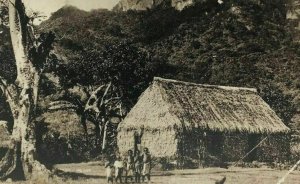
[125, 5]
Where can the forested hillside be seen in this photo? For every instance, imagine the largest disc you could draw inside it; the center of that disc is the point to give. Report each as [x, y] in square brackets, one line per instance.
[237, 43]
[234, 43]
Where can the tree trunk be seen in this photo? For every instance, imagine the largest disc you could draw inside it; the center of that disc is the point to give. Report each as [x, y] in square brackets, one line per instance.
[97, 132]
[23, 102]
[36, 83]
[23, 139]
[104, 135]
[23, 146]
[83, 119]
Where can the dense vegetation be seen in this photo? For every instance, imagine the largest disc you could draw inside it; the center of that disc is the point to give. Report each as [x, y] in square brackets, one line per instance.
[238, 43]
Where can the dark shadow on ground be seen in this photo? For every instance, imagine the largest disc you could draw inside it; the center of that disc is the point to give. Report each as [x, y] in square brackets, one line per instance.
[76, 176]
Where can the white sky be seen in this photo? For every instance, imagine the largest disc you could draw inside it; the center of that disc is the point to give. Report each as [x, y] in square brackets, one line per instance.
[49, 6]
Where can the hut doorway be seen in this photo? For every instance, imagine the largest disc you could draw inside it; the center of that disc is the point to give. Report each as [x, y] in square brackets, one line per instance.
[215, 143]
[253, 140]
[202, 148]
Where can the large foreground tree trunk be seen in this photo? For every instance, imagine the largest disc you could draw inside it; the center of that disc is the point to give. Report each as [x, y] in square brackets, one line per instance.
[21, 97]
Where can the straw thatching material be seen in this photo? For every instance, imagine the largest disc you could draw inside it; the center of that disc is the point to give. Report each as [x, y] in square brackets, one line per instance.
[169, 109]
[160, 143]
[170, 104]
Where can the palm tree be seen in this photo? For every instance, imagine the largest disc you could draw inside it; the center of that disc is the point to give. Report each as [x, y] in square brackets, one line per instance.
[101, 105]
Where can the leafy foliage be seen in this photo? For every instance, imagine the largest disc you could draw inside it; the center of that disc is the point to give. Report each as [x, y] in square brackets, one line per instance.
[233, 43]
[8, 67]
[238, 43]
[125, 66]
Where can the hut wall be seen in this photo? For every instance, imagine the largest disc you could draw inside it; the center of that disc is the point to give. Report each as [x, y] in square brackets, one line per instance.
[215, 145]
[165, 143]
[190, 144]
[161, 143]
[234, 147]
[275, 149]
[125, 140]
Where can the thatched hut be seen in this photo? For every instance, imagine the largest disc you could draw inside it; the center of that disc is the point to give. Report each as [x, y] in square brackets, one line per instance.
[187, 119]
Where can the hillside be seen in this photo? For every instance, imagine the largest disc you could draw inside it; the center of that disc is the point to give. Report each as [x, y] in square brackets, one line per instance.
[240, 44]
[125, 5]
[235, 43]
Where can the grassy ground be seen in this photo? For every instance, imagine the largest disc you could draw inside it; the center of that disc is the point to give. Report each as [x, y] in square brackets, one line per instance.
[94, 173]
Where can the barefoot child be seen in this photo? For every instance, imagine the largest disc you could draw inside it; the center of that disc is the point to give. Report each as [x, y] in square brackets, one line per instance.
[119, 165]
[146, 164]
[137, 166]
[109, 171]
[129, 166]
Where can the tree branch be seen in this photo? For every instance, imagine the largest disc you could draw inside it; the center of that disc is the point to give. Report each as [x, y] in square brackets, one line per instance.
[10, 92]
[103, 100]
[105, 93]
[92, 103]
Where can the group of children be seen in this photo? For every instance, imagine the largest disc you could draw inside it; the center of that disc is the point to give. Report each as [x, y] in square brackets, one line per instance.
[135, 165]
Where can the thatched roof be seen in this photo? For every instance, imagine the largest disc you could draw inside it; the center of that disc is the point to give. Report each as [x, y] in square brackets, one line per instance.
[175, 104]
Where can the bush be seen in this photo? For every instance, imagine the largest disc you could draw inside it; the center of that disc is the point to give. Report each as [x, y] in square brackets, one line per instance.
[61, 139]
[163, 164]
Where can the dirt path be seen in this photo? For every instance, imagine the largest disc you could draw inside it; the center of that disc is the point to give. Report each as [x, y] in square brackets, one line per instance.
[94, 173]
[208, 175]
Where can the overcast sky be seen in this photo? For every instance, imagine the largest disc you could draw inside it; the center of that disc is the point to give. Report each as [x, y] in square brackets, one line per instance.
[49, 6]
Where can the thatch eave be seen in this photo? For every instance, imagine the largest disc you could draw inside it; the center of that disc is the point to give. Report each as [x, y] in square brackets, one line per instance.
[206, 129]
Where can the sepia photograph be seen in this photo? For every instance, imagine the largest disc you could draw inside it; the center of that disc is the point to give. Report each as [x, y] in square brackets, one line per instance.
[150, 91]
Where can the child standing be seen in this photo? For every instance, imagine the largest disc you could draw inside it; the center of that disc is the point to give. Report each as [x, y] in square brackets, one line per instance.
[146, 164]
[137, 166]
[129, 166]
[109, 171]
[119, 165]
